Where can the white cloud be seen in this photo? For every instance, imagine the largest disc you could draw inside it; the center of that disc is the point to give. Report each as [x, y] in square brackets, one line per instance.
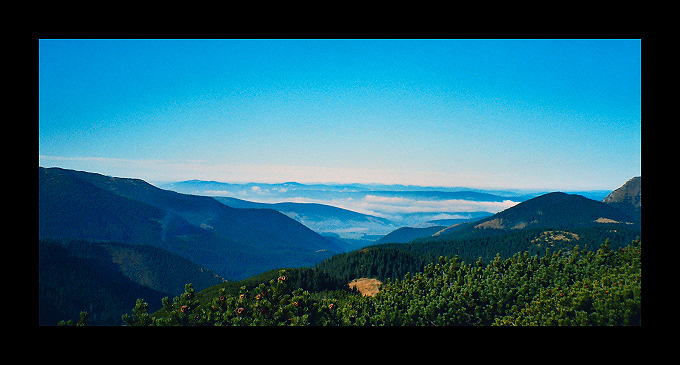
[405, 205]
[394, 207]
[386, 200]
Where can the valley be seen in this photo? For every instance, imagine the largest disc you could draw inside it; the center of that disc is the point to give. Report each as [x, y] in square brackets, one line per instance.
[340, 182]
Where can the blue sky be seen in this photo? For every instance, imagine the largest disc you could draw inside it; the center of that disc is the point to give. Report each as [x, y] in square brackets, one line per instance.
[522, 114]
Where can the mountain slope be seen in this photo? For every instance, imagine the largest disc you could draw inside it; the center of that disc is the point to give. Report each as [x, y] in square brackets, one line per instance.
[105, 279]
[322, 218]
[553, 210]
[72, 208]
[627, 198]
[69, 284]
[235, 243]
[407, 234]
[253, 226]
[556, 210]
[628, 193]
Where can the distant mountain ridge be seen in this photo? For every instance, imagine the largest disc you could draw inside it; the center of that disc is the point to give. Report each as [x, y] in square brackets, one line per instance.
[383, 207]
[200, 187]
[312, 210]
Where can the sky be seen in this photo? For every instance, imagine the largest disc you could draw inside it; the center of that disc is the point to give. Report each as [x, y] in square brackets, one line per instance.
[511, 114]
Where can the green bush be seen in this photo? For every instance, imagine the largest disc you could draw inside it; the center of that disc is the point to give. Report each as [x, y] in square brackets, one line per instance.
[579, 288]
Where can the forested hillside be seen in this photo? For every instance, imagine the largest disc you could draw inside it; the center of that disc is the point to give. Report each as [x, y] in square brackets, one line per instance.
[386, 261]
[559, 288]
[106, 279]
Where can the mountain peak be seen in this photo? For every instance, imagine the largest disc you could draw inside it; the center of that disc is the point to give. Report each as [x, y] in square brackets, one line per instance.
[553, 210]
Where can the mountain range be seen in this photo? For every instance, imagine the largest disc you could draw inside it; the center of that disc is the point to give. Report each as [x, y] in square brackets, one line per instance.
[359, 213]
[121, 239]
[408, 234]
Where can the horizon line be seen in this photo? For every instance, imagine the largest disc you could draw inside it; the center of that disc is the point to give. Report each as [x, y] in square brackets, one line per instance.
[157, 182]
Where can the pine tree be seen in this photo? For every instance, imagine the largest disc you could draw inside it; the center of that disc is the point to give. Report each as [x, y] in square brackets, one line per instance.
[140, 315]
[183, 311]
[81, 322]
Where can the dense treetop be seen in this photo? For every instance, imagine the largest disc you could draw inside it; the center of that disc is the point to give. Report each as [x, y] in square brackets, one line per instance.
[579, 287]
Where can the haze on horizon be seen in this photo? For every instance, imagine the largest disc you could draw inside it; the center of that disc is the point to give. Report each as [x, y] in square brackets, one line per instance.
[507, 114]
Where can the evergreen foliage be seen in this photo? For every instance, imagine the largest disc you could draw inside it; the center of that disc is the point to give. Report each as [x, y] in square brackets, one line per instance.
[69, 283]
[579, 288]
[382, 262]
[394, 260]
[81, 323]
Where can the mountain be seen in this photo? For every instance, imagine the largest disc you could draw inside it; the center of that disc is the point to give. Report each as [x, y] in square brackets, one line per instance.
[554, 210]
[235, 243]
[407, 234]
[311, 211]
[554, 221]
[322, 218]
[404, 206]
[463, 217]
[292, 189]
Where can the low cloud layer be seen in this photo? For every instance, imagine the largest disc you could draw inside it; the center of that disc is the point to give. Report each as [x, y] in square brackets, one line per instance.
[396, 207]
[407, 205]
